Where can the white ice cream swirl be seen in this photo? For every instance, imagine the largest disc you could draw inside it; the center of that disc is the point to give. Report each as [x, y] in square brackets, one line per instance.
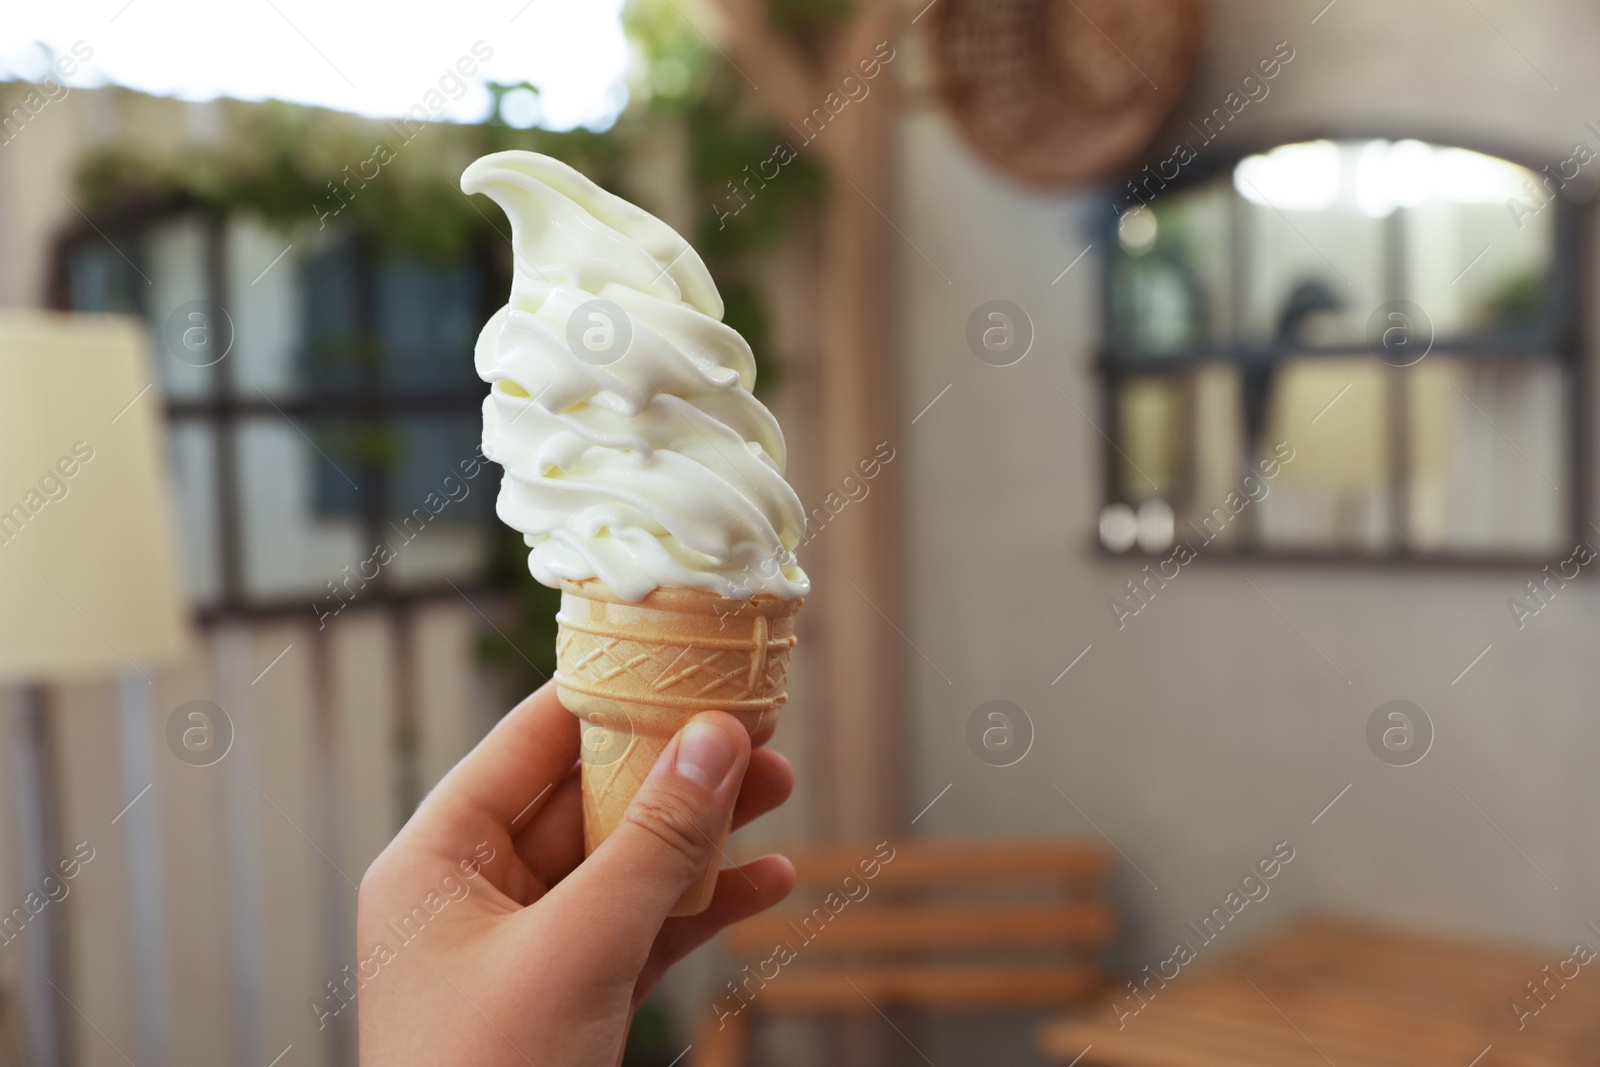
[644, 466]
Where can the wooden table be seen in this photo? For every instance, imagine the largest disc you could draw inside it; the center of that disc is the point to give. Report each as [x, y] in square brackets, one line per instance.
[1328, 992]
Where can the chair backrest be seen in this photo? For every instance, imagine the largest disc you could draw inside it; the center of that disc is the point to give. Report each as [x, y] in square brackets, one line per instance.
[949, 925]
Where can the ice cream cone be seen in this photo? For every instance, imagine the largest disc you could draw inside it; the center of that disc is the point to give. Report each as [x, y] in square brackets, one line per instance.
[634, 673]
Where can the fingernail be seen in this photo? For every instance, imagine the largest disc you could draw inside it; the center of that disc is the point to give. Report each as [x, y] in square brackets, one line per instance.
[704, 755]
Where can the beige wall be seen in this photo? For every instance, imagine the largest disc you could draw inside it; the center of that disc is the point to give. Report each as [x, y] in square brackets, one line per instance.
[1209, 729]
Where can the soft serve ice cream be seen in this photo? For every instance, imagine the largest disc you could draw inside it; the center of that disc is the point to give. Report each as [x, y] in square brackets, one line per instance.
[620, 405]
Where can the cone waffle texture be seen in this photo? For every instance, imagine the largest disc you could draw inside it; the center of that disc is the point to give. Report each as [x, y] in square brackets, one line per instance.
[634, 673]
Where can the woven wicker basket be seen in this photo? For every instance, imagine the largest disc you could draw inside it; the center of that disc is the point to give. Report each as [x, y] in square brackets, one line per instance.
[1057, 92]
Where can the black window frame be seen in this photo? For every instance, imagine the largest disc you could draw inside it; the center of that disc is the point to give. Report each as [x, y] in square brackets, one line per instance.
[226, 409]
[1568, 341]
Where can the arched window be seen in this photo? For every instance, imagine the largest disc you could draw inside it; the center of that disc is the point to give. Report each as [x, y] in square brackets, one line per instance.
[1346, 349]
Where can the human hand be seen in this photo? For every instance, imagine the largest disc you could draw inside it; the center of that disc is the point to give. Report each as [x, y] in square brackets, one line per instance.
[506, 946]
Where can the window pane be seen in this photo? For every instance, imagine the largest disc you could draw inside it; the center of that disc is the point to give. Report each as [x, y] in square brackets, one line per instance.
[436, 494]
[1476, 272]
[184, 335]
[428, 319]
[1488, 441]
[1179, 442]
[1171, 286]
[100, 280]
[1219, 454]
[442, 498]
[165, 283]
[1314, 276]
[425, 319]
[429, 449]
[337, 356]
[192, 448]
[1153, 424]
[1334, 492]
[291, 547]
[354, 458]
[265, 302]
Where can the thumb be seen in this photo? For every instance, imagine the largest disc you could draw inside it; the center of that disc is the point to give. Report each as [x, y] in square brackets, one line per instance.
[672, 831]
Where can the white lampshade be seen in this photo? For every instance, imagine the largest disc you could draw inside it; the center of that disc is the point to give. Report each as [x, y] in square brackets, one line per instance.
[88, 581]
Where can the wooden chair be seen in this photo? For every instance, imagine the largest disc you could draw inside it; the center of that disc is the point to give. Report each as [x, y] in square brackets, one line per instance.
[942, 927]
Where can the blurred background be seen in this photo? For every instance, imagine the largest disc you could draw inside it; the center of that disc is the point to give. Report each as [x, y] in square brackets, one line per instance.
[1190, 399]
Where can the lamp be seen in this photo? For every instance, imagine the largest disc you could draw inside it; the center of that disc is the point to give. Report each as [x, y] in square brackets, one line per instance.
[87, 576]
[86, 550]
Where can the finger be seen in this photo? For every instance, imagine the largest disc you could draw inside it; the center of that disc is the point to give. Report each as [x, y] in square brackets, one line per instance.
[767, 784]
[672, 831]
[513, 770]
[742, 891]
[552, 845]
[466, 819]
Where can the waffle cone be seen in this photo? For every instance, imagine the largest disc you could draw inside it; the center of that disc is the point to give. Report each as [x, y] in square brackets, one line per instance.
[635, 672]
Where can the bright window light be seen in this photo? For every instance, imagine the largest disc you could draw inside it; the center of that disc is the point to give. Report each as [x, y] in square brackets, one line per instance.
[1407, 173]
[1373, 195]
[379, 60]
[1474, 178]
[1292, 177]
[1393, 175]
[1375, 177]
[1412, 173]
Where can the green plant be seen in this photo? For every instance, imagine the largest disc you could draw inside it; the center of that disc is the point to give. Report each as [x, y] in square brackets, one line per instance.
[523, 644]
[295, 166]
[1517, 301]
[653, 1039]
